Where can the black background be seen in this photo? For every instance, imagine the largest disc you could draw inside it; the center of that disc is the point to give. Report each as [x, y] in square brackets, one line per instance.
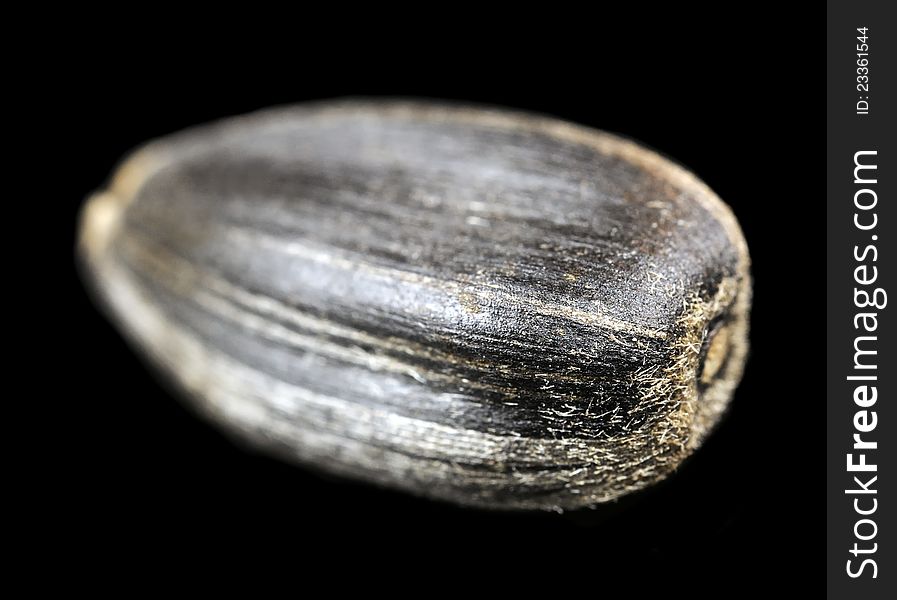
[156, 488]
